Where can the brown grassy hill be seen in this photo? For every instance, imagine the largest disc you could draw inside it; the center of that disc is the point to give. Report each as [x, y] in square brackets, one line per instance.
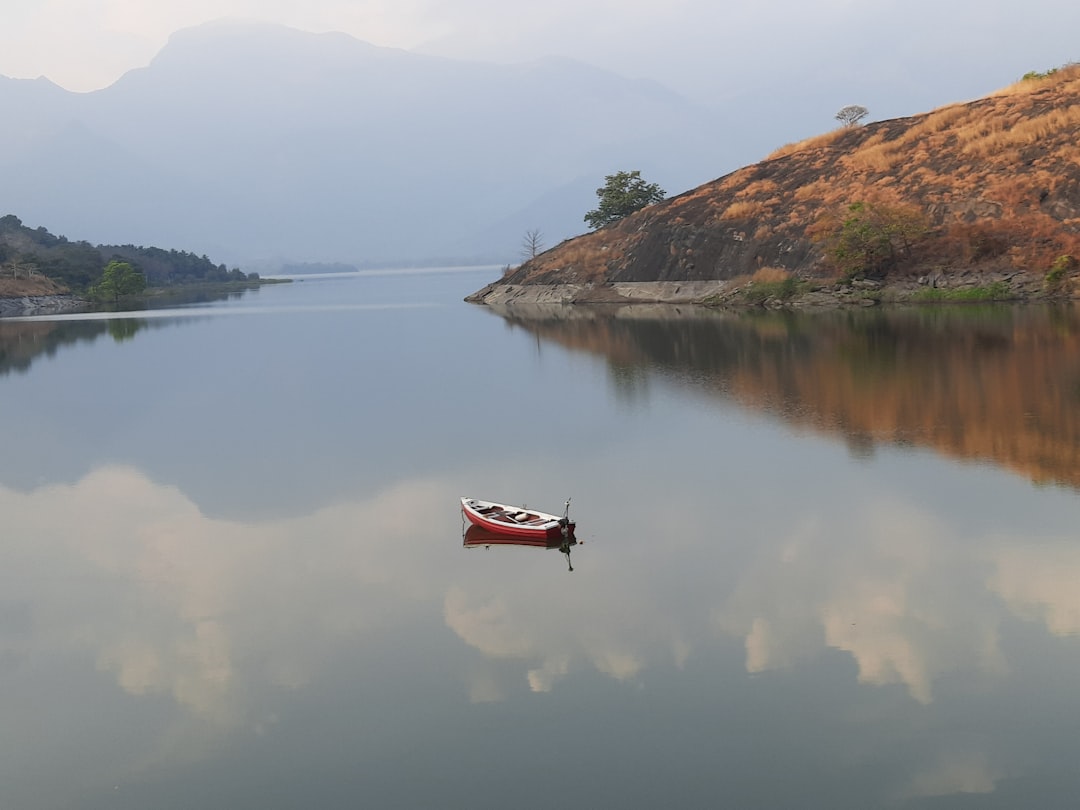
[995, 184]
[12, 286]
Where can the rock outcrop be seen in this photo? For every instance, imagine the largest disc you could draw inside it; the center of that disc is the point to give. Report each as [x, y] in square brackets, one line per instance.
[996, 181]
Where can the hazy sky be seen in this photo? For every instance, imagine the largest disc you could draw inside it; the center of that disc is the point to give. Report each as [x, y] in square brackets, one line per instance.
[939, 50]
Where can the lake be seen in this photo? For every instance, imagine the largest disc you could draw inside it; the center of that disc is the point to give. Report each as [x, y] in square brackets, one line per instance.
[826, 561]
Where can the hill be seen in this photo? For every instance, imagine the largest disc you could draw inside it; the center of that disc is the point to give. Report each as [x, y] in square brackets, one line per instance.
[980, 199]
[35, 262]
[262, 145]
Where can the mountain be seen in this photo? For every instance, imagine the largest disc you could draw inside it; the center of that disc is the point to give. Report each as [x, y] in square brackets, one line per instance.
[982, 197]
[259, 142]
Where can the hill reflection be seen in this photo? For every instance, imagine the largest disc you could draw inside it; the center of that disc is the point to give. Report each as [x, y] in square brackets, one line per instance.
[996, 384]
[23, 342]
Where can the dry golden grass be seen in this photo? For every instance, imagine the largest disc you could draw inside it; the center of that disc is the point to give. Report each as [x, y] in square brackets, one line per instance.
[743, 209]
[1025, 132]
[759, 188]
[881, 157]
[770, 275]
[1063, 75]
[814, 142]
[939, 120]
[34, 285]
[810, 191]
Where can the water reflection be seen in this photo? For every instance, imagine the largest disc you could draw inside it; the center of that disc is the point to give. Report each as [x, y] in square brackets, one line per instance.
[478, 537]
[996, 384]
[203, 624]
[22, 342]
[753, 601]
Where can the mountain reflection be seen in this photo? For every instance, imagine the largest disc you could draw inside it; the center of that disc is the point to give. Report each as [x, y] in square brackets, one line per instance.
[997, 384]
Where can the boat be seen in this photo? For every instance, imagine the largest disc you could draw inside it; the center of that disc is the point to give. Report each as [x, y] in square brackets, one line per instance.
[479, 537]
[517, 521]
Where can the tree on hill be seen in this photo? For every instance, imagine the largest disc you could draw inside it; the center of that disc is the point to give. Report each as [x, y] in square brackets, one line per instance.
[852, 115]
[622, 194]
[532, 245]
[118, 280]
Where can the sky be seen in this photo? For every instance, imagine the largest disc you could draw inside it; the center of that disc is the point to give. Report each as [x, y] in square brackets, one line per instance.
[887, 55]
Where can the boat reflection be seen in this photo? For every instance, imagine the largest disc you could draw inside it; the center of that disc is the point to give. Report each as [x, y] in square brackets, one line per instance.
[479, 537]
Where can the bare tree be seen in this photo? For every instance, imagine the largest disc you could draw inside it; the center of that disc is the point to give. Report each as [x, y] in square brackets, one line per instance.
[532, 244]
[852, 115]
[16, 267]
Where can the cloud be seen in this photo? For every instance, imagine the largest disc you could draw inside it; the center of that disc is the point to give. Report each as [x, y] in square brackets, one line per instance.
[173, 603]
[898, 599]
[967, 772]
[1039, 583]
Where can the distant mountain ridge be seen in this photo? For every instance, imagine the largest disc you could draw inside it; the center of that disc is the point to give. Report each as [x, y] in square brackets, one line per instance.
[256, 141]
[993, 184]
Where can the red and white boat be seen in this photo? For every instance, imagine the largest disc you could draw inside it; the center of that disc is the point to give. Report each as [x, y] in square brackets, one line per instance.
[517, 521]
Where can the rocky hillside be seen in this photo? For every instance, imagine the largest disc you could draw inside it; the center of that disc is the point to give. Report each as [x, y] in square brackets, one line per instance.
[979, 195]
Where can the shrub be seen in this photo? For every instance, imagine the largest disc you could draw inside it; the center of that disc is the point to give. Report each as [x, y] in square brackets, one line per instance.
[1034, 75]
[1059, 268]
[870, 239]
[997, 291]
[767, 285]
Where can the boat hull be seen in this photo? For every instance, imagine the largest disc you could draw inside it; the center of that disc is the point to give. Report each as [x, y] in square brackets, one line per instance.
[513, 521]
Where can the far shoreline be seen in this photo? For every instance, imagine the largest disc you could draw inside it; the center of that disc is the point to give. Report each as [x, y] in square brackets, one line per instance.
[34, 304]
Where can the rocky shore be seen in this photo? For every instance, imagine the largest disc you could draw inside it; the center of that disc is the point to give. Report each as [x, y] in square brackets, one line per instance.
[24, 305]
[1015, 286]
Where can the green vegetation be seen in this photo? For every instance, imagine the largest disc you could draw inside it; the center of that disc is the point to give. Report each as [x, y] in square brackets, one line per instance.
[998, 291]
[80, 265]
[871, 239]
[1033, 75]
[118, 280]
[758, 292]
[622, 194]
[1060, 267]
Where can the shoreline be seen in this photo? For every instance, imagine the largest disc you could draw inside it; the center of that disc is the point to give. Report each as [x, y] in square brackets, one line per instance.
[1006, 287]
[27, 305]
[21, 306]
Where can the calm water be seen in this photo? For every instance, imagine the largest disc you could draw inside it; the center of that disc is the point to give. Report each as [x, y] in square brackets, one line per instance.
[828, 562]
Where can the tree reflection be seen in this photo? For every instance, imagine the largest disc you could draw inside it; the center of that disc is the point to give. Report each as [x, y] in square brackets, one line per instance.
[995, 383]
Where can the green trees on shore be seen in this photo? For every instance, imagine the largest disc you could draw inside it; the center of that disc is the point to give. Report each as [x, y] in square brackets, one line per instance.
[118, 280]
[80, 265]
[622, 194]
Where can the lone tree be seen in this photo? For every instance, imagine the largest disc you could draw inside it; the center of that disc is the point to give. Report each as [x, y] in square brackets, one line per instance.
[532, 244]
[118, 279]
[623, 193]
[852, 115]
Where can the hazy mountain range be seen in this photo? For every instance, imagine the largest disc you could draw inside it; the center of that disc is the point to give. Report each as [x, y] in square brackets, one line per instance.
[257, 144]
